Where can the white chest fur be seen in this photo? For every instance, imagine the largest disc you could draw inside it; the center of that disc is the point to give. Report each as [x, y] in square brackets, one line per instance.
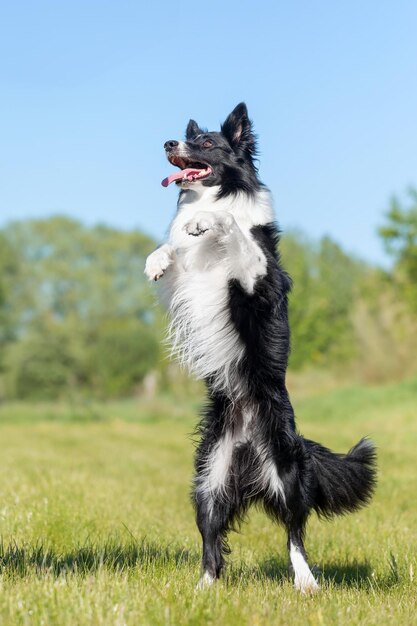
[248, 212]
[197, 284]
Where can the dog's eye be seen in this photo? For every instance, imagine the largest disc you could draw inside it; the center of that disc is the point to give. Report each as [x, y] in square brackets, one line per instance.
[207, 143]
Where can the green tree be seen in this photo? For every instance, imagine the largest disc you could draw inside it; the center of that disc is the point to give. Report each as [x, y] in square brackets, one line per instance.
[325, 280]
[69, 270]
[45, 364]
[399, 236]
[120, 355]
[79, 295]
[8, 274]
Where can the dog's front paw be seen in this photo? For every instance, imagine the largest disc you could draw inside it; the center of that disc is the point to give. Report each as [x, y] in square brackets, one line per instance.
[198, 226]
[205, 221]
[158, 262]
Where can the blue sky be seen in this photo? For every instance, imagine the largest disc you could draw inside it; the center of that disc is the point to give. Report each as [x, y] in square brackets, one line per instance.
[91, 90]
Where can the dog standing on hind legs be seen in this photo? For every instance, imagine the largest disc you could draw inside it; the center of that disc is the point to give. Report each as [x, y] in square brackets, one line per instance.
[227, 297]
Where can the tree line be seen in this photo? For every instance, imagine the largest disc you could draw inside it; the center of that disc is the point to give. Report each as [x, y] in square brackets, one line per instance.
[77, 315]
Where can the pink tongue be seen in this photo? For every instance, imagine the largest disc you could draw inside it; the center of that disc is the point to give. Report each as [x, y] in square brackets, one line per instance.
[188, 174]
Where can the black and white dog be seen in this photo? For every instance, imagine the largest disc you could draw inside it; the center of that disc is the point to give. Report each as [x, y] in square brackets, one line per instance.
[227, 297]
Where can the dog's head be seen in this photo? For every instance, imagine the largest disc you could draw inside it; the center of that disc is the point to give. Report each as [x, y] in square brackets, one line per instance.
[224, 159]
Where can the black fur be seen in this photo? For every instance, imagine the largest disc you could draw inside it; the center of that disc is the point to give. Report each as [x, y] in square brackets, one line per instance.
[231, 153]
[313, 477]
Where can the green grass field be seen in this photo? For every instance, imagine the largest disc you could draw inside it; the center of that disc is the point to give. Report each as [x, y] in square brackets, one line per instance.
[97, 526]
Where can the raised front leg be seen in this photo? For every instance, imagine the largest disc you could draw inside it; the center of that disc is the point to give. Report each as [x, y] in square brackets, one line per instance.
[242, 257]
[213, 222]
[158, 261]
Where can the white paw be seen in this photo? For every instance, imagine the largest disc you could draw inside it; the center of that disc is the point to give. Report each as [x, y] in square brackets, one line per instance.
[203, 221]
[307, 585]
[205, 581]
[157, 263]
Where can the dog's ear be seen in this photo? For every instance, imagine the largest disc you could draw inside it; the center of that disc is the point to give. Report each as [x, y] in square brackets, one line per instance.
[237, 129]
[193, 130]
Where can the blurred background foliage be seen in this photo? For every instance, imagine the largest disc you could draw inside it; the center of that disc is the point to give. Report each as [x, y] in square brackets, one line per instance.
[78, 318]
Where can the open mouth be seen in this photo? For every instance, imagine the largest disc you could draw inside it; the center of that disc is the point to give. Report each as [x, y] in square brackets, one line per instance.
[189, 172]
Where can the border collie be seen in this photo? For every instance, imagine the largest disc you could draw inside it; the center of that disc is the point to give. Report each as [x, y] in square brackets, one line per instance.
[227, 297]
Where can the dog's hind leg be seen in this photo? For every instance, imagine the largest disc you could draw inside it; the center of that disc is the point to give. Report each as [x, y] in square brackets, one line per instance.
[213, 519]
[216, 499]
[304, 580]
[214, 507]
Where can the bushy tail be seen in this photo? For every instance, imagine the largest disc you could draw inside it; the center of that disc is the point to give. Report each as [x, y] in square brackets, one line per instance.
[345, 482]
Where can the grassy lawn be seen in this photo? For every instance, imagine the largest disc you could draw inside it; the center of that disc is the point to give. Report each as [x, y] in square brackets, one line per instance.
[97, 527]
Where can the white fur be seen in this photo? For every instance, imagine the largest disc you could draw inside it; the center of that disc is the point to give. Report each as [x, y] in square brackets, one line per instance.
[248, 212]
[304, 580]
[211, 243]
[200, 331]
[241, 256]
[211, 482]
[159, 261]
[218, 464]
[205, 581]
[270, 479]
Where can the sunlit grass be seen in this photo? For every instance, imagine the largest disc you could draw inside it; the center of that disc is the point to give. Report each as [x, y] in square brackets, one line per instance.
[97, 526]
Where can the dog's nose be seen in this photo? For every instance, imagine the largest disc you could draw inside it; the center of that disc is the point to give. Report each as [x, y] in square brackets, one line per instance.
[169, 145]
